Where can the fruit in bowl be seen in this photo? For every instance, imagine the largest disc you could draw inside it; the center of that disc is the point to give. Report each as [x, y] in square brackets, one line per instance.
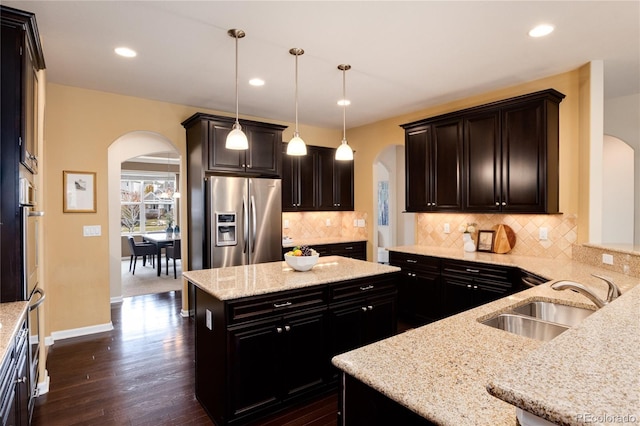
[301, 258]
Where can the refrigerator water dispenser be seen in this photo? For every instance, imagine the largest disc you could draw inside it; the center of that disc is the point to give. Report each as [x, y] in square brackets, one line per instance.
[226, 229]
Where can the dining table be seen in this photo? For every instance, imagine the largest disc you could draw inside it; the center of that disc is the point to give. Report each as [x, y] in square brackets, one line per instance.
[160, 240]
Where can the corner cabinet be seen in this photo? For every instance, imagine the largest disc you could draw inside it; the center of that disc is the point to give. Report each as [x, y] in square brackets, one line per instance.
[499, 157]
[207, 135]
[316, 181]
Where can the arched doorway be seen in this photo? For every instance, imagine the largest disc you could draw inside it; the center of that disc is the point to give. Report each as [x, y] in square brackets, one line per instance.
[618, 197]
[398, 228]
[130, 145]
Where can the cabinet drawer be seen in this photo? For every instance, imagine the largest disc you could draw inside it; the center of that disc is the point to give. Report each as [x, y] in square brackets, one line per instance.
[356, 250]
[415, 262]
[363, 288]
[276, 303]
[481, 270]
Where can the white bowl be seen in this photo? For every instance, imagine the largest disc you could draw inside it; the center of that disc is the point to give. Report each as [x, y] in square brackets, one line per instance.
[301, 263]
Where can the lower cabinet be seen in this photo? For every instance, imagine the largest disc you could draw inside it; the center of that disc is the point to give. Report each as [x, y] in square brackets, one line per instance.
[355, 250]
[257, 355]
[14, 381]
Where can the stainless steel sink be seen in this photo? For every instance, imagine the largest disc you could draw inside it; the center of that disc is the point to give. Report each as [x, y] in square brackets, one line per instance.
[554, 312]
[526, 326]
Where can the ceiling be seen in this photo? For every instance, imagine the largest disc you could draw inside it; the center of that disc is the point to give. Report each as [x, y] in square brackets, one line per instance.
[405, 56]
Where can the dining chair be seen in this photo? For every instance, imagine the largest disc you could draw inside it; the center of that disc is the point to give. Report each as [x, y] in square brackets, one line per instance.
[140, 249]
[173, 252]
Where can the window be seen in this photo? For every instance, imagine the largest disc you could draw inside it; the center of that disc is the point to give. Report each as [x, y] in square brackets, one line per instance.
[147, 201]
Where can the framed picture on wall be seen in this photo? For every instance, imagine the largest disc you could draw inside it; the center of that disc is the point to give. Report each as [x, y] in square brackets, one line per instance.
[79, 192]
[485, 240]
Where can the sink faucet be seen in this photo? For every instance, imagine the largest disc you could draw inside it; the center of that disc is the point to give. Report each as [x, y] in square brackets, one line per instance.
[612, 293]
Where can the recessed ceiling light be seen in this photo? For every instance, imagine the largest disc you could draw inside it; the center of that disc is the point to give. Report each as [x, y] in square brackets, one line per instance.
[126, 52]
[344, 102]
[256, 82]
[541, 30]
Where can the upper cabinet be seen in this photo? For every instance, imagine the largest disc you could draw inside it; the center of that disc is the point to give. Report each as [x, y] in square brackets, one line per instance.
[316, 181]
[206, 137]
[499, 157]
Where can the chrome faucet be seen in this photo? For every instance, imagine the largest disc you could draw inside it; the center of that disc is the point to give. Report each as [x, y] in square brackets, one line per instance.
[612, 293]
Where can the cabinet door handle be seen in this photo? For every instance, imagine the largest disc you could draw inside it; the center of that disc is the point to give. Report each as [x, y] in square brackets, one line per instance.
[370, 308]
[364, 309]
[475, 271]
[475, 287]
[348, 248]
[497, 203]
[504, 203]
[279, 329]
[287, 328]
[281, 305]
[411, 261]
[468, 285]
[368, 287]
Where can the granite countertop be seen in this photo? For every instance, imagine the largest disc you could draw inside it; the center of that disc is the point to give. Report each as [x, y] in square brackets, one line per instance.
[320, 241]
[251, 280]
[442, 370]
[10, 315]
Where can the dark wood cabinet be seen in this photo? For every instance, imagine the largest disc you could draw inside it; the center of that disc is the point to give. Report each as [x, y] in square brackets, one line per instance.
[420, 296]
[335, 181]
[317, 181]
[21, 58]
[256, 355]
[470, 284]
[434, 166]
[499, 157]
[14, 380]
[206, 137]
[354, 250]
[299, 189]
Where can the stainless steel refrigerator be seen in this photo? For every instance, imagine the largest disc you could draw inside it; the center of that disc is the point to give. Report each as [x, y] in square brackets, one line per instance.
[243, 221]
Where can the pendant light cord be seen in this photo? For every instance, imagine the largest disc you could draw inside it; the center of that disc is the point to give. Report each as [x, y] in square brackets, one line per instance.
[236, 37]
[344, 105]
[297, 93]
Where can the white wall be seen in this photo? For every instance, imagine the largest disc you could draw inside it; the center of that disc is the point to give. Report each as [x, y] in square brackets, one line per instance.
[622, 120]
[618, 196]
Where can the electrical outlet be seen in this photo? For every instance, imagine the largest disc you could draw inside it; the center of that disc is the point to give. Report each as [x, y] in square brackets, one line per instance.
[286, 224]
[355, 223]
[327, 222]
[607, 259]
[447, 228]
[543, 234]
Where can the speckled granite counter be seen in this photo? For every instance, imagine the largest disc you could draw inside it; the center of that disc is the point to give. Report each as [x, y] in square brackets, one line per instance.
[10, 316]
[251, 280]
[321, 241]
[441, 370]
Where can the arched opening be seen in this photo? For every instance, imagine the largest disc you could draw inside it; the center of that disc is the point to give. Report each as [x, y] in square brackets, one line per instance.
[391, 225]
[130, 145]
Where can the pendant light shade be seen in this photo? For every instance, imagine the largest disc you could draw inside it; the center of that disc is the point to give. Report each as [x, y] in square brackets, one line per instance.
[296, 145]
[344, 151]
[236, 139]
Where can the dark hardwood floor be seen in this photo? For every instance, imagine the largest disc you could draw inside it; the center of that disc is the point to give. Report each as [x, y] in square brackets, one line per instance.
[142, 373]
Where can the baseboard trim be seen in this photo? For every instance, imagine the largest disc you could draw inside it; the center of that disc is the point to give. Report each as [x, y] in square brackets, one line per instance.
[43, 386]
[185, 313]
[77, 332]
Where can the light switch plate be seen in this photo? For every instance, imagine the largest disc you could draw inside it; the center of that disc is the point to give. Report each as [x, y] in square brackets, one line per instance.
[447, 228]
[91, 231]
[286, 224]
[607, 259]
[327, 222]
[361, 223]
[543, 234]
[355, 223]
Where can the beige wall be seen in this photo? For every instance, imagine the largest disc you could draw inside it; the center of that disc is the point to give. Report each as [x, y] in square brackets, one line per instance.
[81, 124]
[368, 141]
[79, 127]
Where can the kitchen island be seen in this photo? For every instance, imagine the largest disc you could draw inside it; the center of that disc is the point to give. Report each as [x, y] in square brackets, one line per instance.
[441, 371]
[265, 334]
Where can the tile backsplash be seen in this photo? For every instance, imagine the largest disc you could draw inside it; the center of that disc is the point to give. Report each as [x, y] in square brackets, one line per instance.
[324, 225]
[562, 231]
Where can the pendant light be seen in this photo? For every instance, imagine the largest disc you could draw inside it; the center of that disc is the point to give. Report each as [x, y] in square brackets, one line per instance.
[236, 139]
[344, 151]
[296, 145]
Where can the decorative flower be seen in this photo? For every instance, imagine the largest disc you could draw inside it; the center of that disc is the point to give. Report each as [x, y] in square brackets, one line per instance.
[469, 228]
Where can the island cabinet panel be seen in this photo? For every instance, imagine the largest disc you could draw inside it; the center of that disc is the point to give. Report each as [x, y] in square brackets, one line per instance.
[499, 157]
[256, 355]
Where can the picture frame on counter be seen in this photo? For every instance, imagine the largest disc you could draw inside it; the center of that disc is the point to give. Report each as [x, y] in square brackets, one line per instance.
[79, 192]
[485, 241]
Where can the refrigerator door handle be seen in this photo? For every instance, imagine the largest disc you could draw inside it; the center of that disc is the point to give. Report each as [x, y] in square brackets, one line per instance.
[253, 222]
[245, 226]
